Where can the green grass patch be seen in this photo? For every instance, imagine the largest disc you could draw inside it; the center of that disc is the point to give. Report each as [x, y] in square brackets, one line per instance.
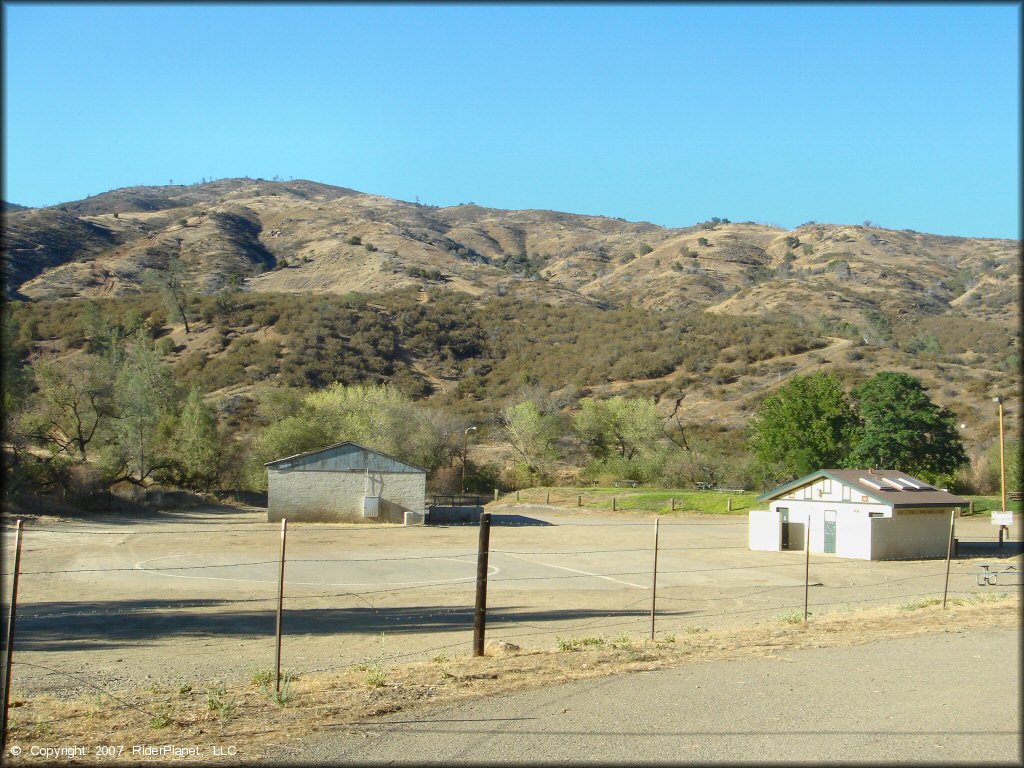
[985, 504]
[656, 500]
[924, 602]
[796, 617]
[578, 643]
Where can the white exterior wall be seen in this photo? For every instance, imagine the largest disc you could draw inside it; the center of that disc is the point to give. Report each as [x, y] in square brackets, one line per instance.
[853, 533]
[911, 534]
[330, 496]
[852, 526]
[764, 531]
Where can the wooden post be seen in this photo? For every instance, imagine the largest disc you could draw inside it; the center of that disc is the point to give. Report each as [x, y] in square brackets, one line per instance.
[579, 499]
[547, 497]
[654, 576]
[949, 556]
[672, 504]
[280, 609]
[9, 652]
[728, 504]
[613, 503]
[970, 506]
[517, 495]
[495, 494]
[807, 565]
[480, 613]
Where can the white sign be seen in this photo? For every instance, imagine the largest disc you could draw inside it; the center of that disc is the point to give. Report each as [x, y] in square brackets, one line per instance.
[1002, 518]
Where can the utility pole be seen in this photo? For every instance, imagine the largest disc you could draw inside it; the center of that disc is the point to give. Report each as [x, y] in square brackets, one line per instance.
[1002, 471]
[1002, 458]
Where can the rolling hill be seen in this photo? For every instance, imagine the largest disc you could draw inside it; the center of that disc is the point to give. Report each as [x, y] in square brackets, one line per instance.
[945, 309]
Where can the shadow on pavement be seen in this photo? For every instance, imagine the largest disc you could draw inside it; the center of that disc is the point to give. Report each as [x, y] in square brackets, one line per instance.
[991, 549]
[68, 626]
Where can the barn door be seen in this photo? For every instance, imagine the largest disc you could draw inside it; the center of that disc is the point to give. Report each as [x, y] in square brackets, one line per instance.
[784, 519]
[830, 530]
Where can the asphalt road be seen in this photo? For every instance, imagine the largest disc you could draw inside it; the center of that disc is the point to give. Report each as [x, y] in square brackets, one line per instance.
[950, 697]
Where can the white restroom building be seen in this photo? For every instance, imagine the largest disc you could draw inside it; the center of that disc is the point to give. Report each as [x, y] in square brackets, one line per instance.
[866, 514]
[345, 482]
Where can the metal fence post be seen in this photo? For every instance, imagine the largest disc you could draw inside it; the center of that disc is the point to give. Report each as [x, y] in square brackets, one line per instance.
[949, 555]
[807, 565]
[9, 652]
[480, 614]
[280, 609]
[654, 577]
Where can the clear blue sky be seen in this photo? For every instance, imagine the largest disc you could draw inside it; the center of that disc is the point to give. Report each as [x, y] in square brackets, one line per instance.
[905, 115]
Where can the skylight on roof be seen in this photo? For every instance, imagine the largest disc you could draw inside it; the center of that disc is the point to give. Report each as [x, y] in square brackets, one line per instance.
[893, 483]
[870, 483]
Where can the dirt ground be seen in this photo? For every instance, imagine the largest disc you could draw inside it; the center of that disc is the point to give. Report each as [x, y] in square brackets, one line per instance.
[184, 598]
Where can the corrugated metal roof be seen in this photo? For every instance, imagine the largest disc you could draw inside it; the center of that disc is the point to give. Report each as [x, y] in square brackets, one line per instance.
[880, 485]
[346, 456]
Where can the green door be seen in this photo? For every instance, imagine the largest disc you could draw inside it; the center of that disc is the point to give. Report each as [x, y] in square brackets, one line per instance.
[830, 530]
[784, 516]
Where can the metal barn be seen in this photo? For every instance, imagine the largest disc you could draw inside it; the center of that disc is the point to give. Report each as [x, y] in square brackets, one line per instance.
[345, 482]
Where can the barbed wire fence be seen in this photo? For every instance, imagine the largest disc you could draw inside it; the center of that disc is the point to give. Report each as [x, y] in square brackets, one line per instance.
[641, 579]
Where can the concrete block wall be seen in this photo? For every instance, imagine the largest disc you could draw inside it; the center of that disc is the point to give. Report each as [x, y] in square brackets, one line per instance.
[910, 534]
[326, 496]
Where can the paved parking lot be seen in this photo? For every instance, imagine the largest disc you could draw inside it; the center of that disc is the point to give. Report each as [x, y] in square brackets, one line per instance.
[192, 595]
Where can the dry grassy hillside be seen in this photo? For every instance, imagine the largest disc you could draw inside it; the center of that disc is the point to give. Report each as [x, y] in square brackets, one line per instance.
[945, 309]
[303, 236]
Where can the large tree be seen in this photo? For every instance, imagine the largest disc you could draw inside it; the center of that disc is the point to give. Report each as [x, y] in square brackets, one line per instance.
[74, 404]
[197, 453]
[379, 417]
[173, 286]
[901, 428]
[617, 426]
[146, 400]
[532, 434]
[806, 425]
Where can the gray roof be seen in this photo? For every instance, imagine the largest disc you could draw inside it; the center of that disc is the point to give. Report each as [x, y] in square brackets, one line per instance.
[345, 456]
[886, 486]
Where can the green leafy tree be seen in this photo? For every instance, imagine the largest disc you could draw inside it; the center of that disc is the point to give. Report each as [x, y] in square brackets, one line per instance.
[146, 402]
[902, 429]
[617, 426]
[532, 435]
[379, 417]
[17, 384]
[196, 446]
[806, 425]
[74, 404]
[287, 437]
[172, 284]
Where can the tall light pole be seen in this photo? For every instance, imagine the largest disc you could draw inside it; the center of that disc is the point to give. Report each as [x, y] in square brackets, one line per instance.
[1002, 458]
[465, 439]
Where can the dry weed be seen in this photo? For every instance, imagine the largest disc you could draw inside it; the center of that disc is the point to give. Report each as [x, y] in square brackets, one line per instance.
[241, 713]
